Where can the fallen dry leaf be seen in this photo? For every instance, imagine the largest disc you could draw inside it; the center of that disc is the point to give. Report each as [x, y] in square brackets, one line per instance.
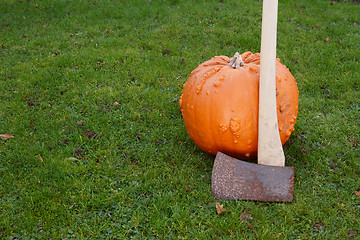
[166, 51]
[245, 216]
[318, 225]
[357, 193]
[79, 152]
[250, 226]
[81, 122]
[41, 159]
[6, 136]
[90, 134]
[100, 65]
[220, 208]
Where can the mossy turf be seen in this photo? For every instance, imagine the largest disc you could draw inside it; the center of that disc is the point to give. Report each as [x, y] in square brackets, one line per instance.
[90, 91]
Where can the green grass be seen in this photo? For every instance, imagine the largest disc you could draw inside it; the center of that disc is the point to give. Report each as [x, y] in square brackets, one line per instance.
[137, 174]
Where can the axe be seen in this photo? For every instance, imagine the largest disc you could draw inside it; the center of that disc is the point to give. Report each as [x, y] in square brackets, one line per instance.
[269, 180]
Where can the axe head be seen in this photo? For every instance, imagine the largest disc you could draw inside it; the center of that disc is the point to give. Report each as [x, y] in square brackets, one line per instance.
[235, 179]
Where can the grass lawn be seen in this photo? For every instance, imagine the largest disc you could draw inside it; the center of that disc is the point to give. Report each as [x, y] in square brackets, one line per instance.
[90, 91]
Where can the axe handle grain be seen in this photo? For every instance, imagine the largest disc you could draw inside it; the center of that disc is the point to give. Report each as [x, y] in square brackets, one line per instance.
[270, 151]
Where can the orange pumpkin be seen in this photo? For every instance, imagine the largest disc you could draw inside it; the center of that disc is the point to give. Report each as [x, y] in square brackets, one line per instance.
[220, 103]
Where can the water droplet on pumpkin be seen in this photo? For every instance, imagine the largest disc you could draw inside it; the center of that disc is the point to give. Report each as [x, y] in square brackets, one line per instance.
[249, 141]
[216, 83]
[235, 141]
[192, 107]
[207, 92]
[247, 154]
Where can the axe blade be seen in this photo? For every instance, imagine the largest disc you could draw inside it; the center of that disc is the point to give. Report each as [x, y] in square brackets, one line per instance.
[235, 179]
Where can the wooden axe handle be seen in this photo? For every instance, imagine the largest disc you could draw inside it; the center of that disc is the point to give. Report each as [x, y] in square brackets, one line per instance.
[270, 151]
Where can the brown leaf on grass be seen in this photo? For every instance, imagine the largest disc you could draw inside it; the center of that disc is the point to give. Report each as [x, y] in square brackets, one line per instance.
[250, 226]
[318, 225]
[89, 134]
[6, 136]
[81, 122]
[100, 64]
[245, 216]
[41, 159]
[79, 152]
[166, 51]
[357, 193]
[220, 208]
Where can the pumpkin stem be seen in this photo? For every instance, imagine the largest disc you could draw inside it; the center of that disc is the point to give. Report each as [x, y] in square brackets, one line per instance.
[236, 61]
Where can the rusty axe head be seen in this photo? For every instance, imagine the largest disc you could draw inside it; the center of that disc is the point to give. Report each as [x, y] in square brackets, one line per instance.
[235, 179]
